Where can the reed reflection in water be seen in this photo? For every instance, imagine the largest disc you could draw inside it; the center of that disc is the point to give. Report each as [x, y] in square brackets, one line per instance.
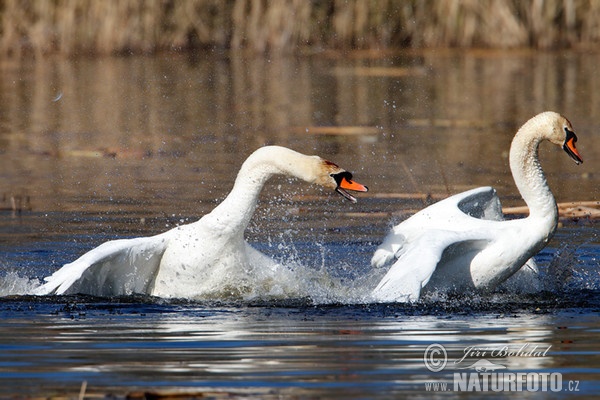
[142, 129]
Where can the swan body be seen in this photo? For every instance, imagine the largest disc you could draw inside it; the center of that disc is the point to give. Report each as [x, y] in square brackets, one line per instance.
[464, 241]
[191, 261]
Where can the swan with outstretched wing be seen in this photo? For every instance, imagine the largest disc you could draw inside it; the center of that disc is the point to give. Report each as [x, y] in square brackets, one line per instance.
[464, 240]
[193, 260]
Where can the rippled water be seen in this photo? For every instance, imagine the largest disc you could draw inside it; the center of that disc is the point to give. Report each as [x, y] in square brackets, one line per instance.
[99, 149]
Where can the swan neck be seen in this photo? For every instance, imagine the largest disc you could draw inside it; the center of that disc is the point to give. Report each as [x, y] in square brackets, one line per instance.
[528, 174]
[238, 207]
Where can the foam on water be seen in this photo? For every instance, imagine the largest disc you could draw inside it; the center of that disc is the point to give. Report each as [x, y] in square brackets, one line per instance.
[291, 279]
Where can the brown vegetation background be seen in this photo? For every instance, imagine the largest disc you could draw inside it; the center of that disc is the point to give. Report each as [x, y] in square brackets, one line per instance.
[72, 27]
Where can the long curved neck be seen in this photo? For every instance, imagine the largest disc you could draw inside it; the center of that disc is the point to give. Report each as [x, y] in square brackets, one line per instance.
[529, 176]
[238, 207]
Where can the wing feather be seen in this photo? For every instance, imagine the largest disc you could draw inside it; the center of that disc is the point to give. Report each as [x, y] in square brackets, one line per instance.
[117, 267]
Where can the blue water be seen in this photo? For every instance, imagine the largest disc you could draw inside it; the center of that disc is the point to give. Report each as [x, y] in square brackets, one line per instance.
[370, 351]
[119, 345]
[287, 347]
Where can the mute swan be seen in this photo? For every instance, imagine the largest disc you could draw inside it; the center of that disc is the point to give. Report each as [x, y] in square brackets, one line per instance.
[464, 241]
[192, 260]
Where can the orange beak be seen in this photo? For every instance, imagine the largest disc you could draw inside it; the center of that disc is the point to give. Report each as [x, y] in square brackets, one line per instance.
[345, 182]
[351, 185]
[570, 148]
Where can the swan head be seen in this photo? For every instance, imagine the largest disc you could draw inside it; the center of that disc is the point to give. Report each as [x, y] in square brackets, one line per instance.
[331, 175]
[562, 134]
[271, 160]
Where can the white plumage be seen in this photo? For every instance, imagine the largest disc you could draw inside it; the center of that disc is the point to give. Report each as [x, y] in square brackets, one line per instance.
[195, 260]
[464, 241]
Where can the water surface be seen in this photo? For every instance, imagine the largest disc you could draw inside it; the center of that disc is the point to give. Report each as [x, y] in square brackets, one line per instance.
[96, 149]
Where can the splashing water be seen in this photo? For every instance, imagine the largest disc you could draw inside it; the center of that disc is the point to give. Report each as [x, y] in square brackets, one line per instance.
[325, 281]
[12, 284]
[313, 269]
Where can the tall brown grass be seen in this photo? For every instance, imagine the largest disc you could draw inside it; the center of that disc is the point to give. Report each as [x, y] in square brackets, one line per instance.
[73, 27]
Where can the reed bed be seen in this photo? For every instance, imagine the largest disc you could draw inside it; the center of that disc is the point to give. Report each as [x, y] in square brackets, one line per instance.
[73, 27]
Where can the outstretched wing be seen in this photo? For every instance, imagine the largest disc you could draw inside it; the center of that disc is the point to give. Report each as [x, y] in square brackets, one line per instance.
[389, 250]
[460, 212]
[420, 257]
[480, 203]
[117, 267]
[416, 262]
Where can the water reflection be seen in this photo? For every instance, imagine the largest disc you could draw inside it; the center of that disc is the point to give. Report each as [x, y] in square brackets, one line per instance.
[140, 129]
[376, 350]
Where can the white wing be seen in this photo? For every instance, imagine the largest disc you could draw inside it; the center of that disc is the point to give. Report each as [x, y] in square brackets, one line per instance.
[117, 267]
[463, 211]
[446, 237]
[479, 203]
[416, 262]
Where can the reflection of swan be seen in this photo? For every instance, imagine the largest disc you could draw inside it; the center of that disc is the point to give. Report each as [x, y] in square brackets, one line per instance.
[464, 239]
[194, 259]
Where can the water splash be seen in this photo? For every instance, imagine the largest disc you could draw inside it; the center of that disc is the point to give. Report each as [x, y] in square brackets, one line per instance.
[12, 284]
[319, 272]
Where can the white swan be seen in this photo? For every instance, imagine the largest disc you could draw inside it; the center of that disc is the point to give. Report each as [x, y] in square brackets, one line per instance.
[464, 241]
[192, 260]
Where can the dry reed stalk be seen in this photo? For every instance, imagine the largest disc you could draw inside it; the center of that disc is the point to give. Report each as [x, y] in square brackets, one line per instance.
[112, 27]
[575, 209]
